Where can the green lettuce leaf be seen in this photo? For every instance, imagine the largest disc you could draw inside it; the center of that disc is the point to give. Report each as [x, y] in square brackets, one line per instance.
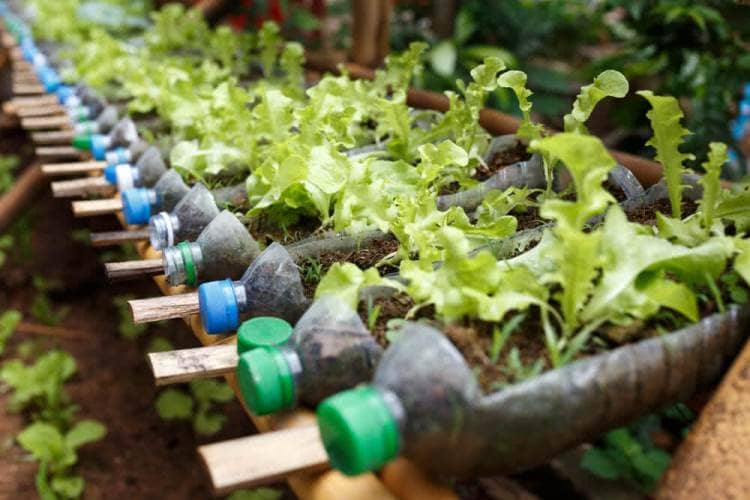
[609, 83]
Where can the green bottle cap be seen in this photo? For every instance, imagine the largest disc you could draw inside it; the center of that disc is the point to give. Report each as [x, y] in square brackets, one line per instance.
[191, 275]
[358, 430]
[82, 142]
[266, 381]
[263, 331]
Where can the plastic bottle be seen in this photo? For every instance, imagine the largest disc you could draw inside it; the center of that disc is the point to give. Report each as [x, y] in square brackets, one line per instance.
[148, 169]
[186, 221]
[105, 121]
[122, 134]
[262, 331]
[330, 350]
[138, 204]
[418, 404]
[222, 250]
[271, 286]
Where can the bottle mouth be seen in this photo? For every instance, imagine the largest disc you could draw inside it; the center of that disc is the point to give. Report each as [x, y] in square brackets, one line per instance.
[161, 231]
[266, 380]
[118, 156]
[181, 263]
[137, 203]
[126, 177]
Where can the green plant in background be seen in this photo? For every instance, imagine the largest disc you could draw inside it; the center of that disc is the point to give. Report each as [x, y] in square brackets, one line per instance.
[197, 406]
[56, 453]
[6, 243]
[8, 165]
[42, 308]
[8, 322]
[125, 325]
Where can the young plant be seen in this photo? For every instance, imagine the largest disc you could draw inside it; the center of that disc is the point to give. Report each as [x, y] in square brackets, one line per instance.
[8, 322]
[516, 81]
[42, 308]
[198, 406]
[125, 325]
[711, 183]
[608, 83]
[8, 165]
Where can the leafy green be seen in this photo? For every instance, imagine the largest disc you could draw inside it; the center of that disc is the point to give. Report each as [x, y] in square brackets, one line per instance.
[8, 322]
[345, 281]
[711, 183]
[174, 404]
[516, 81]
[256, 494]
[8, 165]
[609, 83]
[665, 116]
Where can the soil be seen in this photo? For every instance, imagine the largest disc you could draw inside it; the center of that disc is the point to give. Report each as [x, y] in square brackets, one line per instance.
[647, 215]
[501, 160]
[142, 457]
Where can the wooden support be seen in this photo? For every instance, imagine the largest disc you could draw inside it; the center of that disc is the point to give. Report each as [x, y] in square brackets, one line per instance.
[28, 90]
[20, 195]
[73, 168]
[112, 238]
[53, 137]
[46, 122]
[42, 100]
[54, 153]
[39, 111]
[168, 307]
[82, 187]
[184, 365]
[370, 31]
[264, 458]
[714, 459]
[121, 271]
[92, 208]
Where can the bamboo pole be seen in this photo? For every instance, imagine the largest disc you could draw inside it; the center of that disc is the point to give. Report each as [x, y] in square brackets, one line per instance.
[53, 137]
[112, 238]
[82, 187]
[90, 208]
[714, 460]
[121, 271]
[167, 307]
[53, 153]
[184, 365]
[73, 168]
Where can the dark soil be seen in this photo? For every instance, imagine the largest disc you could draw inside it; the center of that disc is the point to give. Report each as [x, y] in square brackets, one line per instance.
[142, 457]
[501, 160]
[647, 215]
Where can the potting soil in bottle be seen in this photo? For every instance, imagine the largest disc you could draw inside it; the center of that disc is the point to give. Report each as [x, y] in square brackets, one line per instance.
[148, 169]
[139, 204]
[222, 250]
[186, 221]
[418, 404]
[271, 286]
[330, 350]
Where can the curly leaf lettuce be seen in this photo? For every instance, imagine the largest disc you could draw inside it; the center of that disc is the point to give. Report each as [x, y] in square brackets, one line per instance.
[609, 83]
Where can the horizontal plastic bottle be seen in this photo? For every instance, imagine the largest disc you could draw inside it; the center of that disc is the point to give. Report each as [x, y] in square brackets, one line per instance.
[104, 122]
[271, 286]
[330, 350]
[186, 220]
[419, 404]
[222, 250]
[147, 170]
[139, 204]
[123, 134]
[85, 112]
[262, 331]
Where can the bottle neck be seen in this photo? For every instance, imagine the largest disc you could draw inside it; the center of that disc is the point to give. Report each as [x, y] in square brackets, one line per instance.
[127, 177]
[163, 229]
[294, 363]
[395, 407]
[240, 295]
[183, 263]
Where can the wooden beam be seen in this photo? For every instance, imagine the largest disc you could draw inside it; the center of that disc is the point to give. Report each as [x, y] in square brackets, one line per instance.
[167, 307]
[54, 153]
[121, 271]
[72, 168]
[184, 365]
[92, 208]
[82, 187]
[112, 238]
[27, 90]
[46, 122]
[20, 195]
[53, 137]
[39, 111]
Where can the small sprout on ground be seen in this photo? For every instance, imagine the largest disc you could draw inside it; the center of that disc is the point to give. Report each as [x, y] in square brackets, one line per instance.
[42, 308]
[125, 325]
[8, 322]
[373, 311]
[500, 335]
[517, 371]
[174, 404]
[312, 270]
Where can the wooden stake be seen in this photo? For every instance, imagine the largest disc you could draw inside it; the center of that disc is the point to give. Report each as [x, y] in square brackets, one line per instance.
[46, 122]
[92, 208]
[111, 238]
[263, 458]
[183, 365]
[53, 137]
[82, 187]
[39, 111]
[27, 90]
[73, 168]
[26, 186]
[42, 100]
[7, 40]
[121, 271]
[168, 307]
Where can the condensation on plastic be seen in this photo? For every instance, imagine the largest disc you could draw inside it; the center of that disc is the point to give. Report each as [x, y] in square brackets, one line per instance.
[335, 350]
[227, 248]
[273, 286]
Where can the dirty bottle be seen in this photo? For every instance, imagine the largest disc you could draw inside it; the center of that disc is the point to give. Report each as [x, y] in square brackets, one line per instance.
[329, 350]
[271, 286]
[139, 204]
[104, 122]
[222, 250]
[147, 170]
[186, 221]
[122, 134]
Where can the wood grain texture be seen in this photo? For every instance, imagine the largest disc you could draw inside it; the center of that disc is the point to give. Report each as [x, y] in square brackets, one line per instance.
[121, 271]
[167, 307]
[72, 168]
[53, 138]
[20, 195]
[46, 122]
[27, 90]
[183, 365]
[82, 187]
[57, 153]
[91, 208]
[110, 238]
[714, 460]
[39, 111]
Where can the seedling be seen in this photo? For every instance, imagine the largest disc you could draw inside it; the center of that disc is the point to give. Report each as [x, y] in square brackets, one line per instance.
[198, 406]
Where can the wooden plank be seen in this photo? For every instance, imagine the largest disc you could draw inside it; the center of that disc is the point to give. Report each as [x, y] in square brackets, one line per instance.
[91, 208]
[167, 307]
[42, 100]
[255, 460]
[714, 459]
[72, 168]
[53, 153]
[27, 90]
[39, 111]
[53, 137]
[111, 238]
[121, 271]
[82, 187]
[46, 122]
[183, 365]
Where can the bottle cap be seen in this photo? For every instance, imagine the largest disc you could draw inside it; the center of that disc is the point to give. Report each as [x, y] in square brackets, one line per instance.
[188, 265]
[263, 331]
[358, 430]
[99, 144]
[266, 380]
[82, 142]
[110, 174]
[218, 306]
[135, 205]
[117, 156]
[63, 92]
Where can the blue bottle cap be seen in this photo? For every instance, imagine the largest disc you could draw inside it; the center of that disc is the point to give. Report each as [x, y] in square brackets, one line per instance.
[746, 90]
[99, 146]
[110, 174]
[218, 305]
[135, 205]
[117, 156]
[738, 128]
[28, 49]
[63, 92]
